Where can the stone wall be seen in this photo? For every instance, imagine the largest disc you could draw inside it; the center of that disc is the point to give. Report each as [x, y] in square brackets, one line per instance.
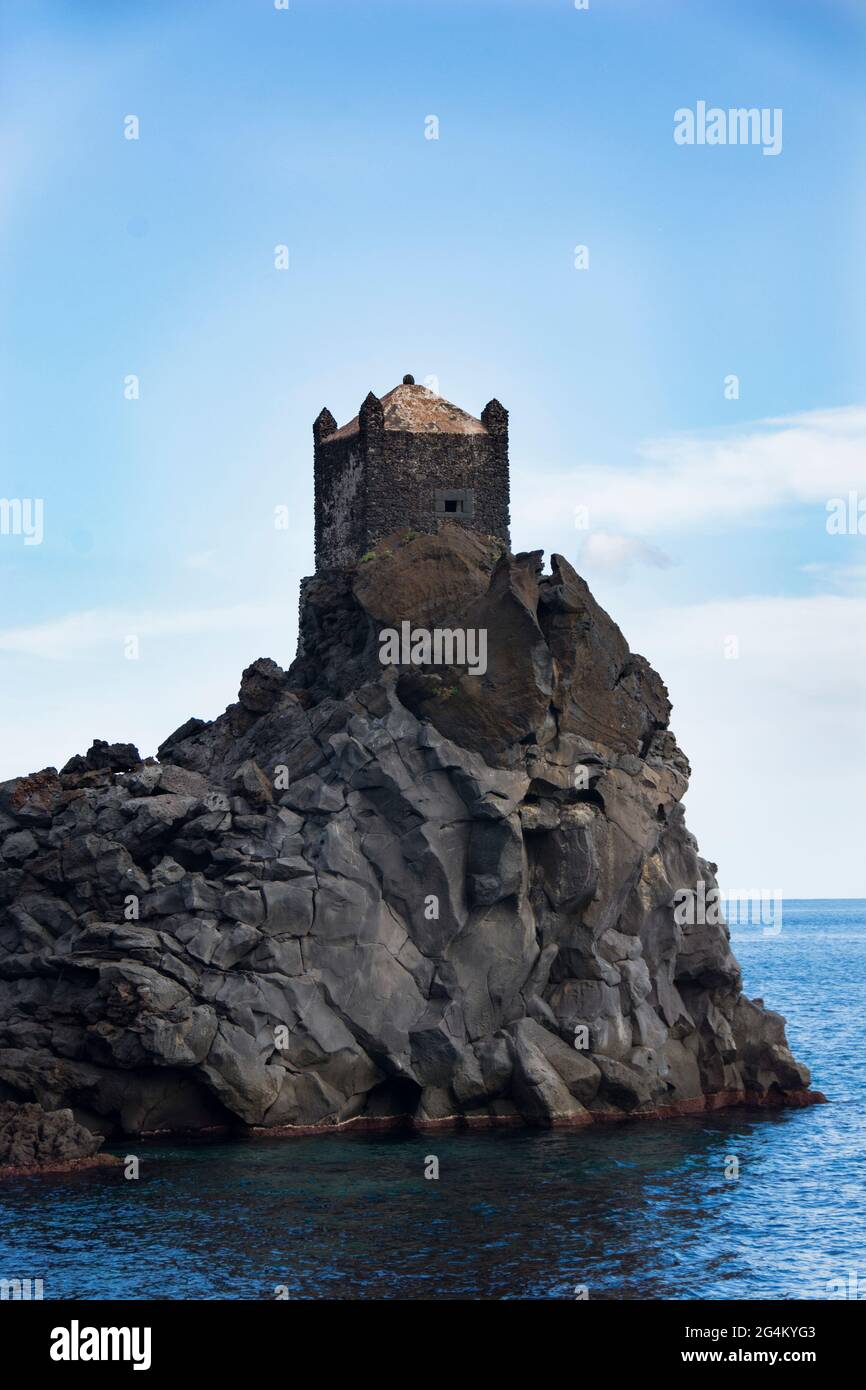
[340, 502]
[379, 481]
[411, 468]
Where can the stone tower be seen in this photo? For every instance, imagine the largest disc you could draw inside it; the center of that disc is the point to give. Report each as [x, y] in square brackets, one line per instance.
[408, 461]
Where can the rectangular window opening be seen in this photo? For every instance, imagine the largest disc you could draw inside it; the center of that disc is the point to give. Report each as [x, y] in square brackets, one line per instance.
[458, 502]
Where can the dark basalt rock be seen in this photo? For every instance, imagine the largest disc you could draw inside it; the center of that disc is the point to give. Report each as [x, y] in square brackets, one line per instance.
[32, 1139]
[261, 684]
[115, 757]
[367, 892]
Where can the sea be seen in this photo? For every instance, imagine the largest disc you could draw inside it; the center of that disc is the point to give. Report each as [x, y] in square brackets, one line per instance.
[736, 1205]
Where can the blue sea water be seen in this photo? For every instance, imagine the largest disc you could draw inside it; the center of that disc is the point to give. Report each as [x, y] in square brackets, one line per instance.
[630, 1212]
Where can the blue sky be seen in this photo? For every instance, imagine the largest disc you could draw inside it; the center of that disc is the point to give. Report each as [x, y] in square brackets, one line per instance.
[453, 259]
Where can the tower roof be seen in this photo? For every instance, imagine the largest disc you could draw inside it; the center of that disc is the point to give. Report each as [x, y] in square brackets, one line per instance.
[414, 409]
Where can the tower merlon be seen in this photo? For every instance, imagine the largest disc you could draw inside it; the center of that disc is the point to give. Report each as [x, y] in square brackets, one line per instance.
[323, 425]
[371, 416]
[494, 417]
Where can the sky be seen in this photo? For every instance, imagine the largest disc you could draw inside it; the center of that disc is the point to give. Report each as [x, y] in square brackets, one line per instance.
[696, 506]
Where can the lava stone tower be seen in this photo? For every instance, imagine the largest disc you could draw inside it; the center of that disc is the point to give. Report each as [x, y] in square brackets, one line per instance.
[408, 461]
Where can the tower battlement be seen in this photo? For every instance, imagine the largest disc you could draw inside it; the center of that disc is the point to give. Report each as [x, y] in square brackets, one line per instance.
[408, 460]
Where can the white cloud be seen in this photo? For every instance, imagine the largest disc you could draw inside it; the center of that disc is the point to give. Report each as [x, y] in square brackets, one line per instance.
[776, 737]
[845, 579]
[604, 552]
[74, 634]
[68, 682]
[692, 480]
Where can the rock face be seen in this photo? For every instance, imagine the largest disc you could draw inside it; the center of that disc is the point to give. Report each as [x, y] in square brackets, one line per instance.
[371, 892]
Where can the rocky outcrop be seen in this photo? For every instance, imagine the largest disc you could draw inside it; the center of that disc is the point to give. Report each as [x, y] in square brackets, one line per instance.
[34, 1140]
[369, 893]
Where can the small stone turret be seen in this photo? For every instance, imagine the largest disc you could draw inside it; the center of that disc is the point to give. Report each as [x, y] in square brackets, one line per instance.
[409, 460]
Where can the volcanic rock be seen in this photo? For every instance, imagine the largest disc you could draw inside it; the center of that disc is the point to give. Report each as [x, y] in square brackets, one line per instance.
[32, 1139]
[368, 894]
